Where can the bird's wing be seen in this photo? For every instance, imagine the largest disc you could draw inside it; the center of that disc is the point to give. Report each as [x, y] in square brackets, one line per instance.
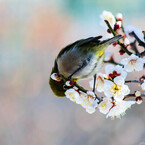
[91, 41]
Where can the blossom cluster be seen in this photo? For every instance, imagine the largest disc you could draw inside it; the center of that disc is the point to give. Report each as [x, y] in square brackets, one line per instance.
[113, 82]
[116, 22]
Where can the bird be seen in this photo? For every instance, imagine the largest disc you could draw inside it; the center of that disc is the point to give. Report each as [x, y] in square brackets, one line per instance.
[79, 60]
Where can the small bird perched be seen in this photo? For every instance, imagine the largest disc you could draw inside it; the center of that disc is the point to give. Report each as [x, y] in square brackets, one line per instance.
[79, 60]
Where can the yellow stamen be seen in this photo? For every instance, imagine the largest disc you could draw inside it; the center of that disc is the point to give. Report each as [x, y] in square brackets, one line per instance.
[115, 89]
[132, 61]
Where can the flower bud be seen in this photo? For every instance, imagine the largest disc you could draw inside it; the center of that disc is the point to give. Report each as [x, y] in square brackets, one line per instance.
[119, 17]
[115, 43]
[69, 83]
[142, 78]
[137, 93]
[121, 51]
[56, 77]
[139, 100]
[117, 25]
[108, 30]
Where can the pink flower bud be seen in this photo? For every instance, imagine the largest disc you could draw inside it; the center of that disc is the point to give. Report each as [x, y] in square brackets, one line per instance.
[121, 51]
[137, 93]
[69, 83]
[108, 30]
[115, 43]
[119, 17]
[139, 100]
[56, 77]
[117, 25]
[142, 78]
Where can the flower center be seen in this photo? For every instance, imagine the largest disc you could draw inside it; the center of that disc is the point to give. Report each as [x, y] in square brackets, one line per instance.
[104, 105]
[115, 89]
[72, 95]
[132, 61]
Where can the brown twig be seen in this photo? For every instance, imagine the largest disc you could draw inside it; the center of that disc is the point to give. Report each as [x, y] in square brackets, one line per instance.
[112, 31]
[133, 95]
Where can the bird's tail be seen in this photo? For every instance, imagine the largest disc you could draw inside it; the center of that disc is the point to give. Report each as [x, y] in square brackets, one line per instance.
[112, 40]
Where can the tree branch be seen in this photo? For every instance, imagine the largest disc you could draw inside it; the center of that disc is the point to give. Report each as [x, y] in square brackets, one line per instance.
[134, 81]
[112, 31]
[133, 95]
[141, 43]
[113, 62]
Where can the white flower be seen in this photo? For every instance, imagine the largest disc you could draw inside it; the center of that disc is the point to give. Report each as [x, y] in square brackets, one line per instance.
[90, 110]
[119, 109]
[105, 105]
[99, 82]
[116, 89]
[106, 15]
[143, 85]
[72, 94]
[115, 71]
[119, 17]
[89, 102]
[108, 56]
[131, 28]
[132, 63]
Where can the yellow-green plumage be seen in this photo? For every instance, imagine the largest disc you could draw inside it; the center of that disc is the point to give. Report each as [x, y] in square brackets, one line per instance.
[57, 87]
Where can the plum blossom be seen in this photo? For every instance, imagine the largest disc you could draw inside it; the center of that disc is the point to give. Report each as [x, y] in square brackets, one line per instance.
[132, 63]
[72, 94]
[115, 71]
[116, 89]
[105, 105]
[106, 15]
[89, 102]
[119, 109]
[99, 82]
[131, 28]
[119, 17]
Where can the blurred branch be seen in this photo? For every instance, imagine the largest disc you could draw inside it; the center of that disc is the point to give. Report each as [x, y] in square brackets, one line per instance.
[133, 46]
[142, 53]
[141, 43]
[134, 81]
[113, 62]
[133, 95]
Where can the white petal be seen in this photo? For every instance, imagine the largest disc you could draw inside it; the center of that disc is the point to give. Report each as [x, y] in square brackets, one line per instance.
[119, 80]
[139, 66]
[109, 68]
[125, 90]
[124, 61]
[129, 68]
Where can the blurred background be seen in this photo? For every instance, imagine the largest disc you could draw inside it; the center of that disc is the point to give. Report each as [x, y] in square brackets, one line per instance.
[32, 32]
